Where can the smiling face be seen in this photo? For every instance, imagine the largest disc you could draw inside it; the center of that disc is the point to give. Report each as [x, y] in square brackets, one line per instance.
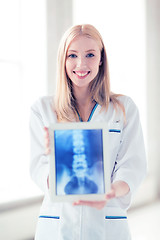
[82, 61]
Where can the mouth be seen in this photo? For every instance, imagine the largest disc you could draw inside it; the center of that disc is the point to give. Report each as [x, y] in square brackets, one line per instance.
[81, 74]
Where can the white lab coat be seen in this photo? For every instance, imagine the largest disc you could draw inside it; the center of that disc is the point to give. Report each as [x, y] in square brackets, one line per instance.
[62, 221]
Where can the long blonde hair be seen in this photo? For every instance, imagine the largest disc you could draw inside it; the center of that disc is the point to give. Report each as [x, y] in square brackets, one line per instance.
[64, 102]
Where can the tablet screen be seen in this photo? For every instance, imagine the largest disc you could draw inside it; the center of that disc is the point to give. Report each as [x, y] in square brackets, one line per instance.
[79, 166]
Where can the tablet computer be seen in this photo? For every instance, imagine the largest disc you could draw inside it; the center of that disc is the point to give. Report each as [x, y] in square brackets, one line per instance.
[79, 161]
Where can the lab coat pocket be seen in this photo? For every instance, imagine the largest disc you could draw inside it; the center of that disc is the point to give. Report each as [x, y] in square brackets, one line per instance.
[116, 224]
[114, 140]
[47, 227]
[115, 136]
[115, 132]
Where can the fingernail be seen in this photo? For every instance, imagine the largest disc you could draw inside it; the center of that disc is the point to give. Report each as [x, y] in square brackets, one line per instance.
[76, 203]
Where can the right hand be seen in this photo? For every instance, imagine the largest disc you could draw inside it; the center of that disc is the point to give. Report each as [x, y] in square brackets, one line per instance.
[48, 182]
[47, 147]
[47, 141]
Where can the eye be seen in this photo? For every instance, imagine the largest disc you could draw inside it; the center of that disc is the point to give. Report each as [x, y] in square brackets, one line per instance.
[72, 56]
[89, 55]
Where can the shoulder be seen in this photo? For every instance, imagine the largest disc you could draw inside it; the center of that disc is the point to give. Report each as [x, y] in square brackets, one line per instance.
[127, 102]
[131, 111]
[42, 103]
[43, 109]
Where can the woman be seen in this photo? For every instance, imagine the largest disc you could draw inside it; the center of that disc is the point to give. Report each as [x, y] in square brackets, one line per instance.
[83, 94]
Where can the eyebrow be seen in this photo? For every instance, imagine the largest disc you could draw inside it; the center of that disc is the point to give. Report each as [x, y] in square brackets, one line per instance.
[90, 50]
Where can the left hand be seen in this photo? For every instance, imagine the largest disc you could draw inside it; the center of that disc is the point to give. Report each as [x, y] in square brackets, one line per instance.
[118, 189]
[97, 204]
[47, 141]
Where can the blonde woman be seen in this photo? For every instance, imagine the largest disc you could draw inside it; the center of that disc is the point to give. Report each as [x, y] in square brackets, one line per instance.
[83, 94]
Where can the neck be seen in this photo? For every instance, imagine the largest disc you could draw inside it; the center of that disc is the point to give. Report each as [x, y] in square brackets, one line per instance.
[84, 102]
[83, 96]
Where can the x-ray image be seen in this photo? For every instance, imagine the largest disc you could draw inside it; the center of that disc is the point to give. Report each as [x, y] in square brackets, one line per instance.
[79, 161]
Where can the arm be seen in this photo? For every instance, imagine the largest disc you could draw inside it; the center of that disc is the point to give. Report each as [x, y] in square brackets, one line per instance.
[39, 164]
[131, 161]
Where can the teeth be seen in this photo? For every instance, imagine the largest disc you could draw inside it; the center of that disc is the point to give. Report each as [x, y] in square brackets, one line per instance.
[81, 74]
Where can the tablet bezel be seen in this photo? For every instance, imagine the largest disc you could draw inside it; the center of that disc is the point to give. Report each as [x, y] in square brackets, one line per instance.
[106, 161]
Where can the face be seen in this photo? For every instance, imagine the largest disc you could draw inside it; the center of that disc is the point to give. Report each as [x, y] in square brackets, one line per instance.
[83, 61]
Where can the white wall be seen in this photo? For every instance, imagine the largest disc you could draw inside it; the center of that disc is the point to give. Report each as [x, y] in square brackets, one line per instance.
[22, 81]
[18, 222]
[153, 88]
[59, 19]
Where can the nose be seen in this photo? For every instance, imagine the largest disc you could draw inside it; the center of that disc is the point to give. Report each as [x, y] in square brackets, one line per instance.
[81, 62]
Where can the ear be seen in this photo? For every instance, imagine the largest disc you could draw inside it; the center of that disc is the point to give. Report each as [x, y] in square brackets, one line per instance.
[100, 63]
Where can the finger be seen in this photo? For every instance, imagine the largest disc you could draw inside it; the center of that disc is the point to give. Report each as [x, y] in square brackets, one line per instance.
[110, 195]
[47, 146]
[48, 182]
[46, 129]
[46, 132]
[48, 150]
[47, 141]
[95, 204]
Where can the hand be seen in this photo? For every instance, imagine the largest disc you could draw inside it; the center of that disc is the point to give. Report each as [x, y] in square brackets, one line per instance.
[48, 182]
[118, 189]
[97, 204]
[47, 141]
[47, 146]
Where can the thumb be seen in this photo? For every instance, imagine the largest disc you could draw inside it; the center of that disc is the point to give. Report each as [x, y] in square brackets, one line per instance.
[111, 194]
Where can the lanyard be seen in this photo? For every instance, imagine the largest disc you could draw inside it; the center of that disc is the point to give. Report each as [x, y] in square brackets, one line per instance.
[91, 114]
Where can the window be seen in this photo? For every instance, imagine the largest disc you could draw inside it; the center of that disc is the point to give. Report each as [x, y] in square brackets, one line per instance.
[23, 80]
